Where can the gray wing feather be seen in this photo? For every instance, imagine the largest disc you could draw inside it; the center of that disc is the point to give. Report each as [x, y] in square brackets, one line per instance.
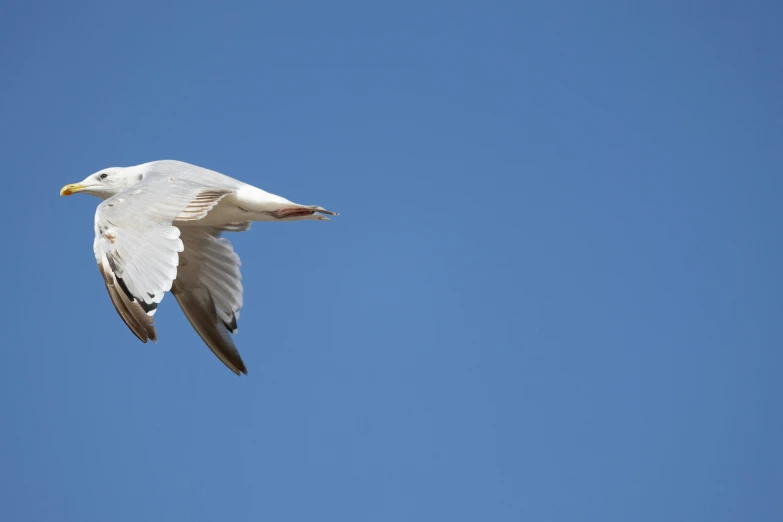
[208, 288]
[141, 324]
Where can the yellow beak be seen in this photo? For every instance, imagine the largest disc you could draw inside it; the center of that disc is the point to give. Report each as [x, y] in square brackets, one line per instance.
[67, 190]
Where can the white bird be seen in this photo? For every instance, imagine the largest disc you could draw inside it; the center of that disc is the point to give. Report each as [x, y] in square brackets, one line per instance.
[159, 229]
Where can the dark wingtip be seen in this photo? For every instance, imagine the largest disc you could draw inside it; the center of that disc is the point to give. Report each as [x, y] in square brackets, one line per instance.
[239, 367]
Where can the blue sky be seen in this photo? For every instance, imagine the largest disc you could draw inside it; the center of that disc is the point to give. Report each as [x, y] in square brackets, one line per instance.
[553, 292]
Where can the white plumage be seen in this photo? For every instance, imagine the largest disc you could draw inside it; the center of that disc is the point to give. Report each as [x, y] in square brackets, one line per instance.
[159, 229]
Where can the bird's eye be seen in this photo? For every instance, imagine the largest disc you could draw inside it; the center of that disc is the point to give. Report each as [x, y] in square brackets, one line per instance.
[104, 176]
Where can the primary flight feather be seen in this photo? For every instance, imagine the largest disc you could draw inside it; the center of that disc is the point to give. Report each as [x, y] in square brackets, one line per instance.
[159, 228]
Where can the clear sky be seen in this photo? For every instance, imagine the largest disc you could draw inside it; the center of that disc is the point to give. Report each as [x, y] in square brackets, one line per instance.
[553, 292]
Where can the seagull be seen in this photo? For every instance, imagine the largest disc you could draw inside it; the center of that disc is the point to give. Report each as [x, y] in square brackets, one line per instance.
[159, 228]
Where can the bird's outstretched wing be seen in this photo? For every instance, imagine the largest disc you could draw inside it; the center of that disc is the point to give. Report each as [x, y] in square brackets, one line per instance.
[208, 288]
[137, 248]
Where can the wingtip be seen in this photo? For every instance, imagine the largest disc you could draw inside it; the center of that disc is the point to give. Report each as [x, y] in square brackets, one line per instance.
[239, 371]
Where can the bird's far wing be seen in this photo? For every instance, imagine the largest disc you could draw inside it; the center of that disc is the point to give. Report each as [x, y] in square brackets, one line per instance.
[137, 248]
[208, 288]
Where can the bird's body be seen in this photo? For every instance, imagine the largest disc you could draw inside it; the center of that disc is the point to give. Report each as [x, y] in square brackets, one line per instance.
[159, 229]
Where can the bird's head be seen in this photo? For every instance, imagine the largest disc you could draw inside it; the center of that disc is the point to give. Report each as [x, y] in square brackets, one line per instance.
[103, 184]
